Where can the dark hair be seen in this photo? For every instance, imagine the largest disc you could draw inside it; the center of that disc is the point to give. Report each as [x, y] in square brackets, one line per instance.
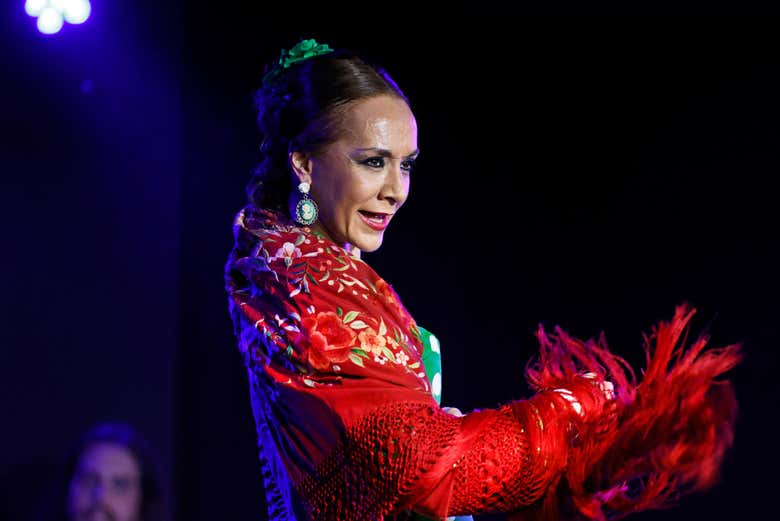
[300, 110]
[153, 504]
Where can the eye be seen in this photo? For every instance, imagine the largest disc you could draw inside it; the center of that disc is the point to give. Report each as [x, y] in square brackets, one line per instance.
[407, 165]
[374, 162]
[123, 485]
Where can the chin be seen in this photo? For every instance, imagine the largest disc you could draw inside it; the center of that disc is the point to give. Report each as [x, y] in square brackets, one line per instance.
[369, 244]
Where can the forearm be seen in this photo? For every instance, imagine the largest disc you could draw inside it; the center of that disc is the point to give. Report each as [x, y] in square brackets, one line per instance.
[506, 458]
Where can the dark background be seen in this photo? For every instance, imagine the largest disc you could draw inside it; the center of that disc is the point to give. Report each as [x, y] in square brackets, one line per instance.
[582, 171]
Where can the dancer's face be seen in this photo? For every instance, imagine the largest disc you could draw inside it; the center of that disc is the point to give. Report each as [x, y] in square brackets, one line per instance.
[106, 485]
[361, 179]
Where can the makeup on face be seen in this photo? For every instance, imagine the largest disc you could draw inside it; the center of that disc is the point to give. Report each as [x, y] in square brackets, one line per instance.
[361, 180]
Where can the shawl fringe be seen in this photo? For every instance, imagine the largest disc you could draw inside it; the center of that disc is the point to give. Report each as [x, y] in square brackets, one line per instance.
[657, 439]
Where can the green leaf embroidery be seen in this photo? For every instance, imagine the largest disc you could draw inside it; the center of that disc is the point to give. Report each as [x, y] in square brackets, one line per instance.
[356, 359]
[416, 332]
[389, 354]
[356, 281]
[349, 317]
[382, 326]
[339, 311]
[358, 324]
[360, 352]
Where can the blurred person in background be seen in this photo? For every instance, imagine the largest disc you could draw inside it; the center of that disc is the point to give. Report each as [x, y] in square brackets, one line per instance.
[110, 475]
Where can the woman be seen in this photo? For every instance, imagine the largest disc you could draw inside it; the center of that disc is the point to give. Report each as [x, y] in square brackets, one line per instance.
[110, 475]
[346, 406]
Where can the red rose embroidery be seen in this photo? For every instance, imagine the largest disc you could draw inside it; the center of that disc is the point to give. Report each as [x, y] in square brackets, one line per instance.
[388, 292]
[329, 340]
[384, 289]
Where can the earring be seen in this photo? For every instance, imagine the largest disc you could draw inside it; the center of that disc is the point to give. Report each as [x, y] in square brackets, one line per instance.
[306, 209]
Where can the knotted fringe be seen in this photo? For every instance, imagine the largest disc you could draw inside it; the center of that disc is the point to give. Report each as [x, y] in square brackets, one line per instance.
[657, 440]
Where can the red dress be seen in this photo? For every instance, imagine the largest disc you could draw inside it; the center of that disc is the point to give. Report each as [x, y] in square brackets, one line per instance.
[348, 429]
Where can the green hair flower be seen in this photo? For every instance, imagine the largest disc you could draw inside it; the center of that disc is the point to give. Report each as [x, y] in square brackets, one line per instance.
[303, 50]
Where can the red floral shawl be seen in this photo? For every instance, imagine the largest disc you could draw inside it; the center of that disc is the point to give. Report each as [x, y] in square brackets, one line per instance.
[348, 429]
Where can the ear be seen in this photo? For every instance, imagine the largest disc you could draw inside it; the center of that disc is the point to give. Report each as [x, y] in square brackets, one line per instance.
[301, 165]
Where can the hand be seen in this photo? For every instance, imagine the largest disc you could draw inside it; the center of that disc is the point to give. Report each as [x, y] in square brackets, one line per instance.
[452, 410]
[605, 386]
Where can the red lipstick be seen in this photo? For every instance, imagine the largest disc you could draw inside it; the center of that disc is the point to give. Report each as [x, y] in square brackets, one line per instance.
[375, 221]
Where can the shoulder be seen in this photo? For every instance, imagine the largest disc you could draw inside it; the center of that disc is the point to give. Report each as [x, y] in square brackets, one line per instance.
[274, 236]
[253, 224]
[270, 242]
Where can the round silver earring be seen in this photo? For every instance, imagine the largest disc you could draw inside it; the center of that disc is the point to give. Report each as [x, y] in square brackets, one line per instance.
[306, 209]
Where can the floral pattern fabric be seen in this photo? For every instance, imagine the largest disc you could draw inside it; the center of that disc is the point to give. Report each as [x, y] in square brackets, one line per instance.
[350, 428]
[331, 350]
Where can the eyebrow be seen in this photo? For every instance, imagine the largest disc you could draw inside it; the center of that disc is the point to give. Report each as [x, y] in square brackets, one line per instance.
[386, 153]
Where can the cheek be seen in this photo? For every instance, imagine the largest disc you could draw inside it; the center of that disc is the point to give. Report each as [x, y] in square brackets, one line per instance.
[126, 506]
[349, 198]
[366, 189]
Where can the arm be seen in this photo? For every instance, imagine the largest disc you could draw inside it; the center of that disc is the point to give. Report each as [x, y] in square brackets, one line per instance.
[328, 330]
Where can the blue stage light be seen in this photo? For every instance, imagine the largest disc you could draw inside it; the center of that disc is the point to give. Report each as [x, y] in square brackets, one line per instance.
[52, 13]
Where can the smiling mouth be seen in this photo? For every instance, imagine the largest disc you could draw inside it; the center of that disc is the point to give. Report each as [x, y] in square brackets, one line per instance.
[375, 221]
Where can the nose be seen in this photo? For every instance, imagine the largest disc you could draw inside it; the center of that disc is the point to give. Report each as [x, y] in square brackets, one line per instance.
[396, 186]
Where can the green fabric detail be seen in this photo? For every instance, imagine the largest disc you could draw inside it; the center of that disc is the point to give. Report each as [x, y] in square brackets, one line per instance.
[432, 362]
[431, 359]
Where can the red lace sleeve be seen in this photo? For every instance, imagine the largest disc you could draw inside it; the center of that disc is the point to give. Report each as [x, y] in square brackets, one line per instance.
[342, 402]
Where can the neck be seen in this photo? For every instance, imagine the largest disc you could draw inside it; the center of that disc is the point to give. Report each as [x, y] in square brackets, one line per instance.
[353, 250]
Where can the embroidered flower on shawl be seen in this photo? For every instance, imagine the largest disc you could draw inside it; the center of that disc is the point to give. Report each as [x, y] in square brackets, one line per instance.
[384, 289]
[329, 340]
[287, 252]
[371, 341]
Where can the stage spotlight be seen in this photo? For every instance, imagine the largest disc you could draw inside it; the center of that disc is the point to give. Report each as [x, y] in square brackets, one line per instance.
[77, 11]
[49, 21]
[34, 7]
[52, 13]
